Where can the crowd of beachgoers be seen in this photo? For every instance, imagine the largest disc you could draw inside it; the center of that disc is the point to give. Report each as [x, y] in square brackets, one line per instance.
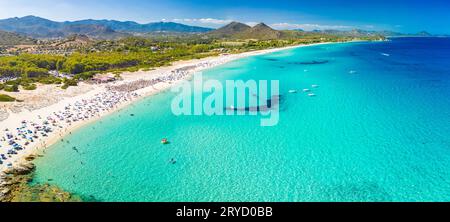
[173, 76]
[29, 133]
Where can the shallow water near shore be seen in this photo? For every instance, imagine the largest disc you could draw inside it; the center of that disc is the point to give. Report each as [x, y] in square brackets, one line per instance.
[378, 130]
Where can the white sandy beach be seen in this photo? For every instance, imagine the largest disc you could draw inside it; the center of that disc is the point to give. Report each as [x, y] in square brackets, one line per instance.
[60, 127]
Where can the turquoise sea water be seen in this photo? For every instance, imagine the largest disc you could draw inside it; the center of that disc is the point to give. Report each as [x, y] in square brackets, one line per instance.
[378, 130]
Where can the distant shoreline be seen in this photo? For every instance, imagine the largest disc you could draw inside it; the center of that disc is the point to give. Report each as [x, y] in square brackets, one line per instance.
[437, 36]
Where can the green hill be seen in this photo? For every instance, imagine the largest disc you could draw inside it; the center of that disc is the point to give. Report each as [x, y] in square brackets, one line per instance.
[236, 30]
[9, 38]
[260, 32]
[229, 31]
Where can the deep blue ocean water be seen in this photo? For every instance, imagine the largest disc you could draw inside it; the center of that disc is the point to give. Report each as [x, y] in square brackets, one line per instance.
[378, 130]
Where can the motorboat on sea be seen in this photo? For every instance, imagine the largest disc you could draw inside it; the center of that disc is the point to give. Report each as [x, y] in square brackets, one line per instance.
[164, 141]
[306, 90]
[315, 86]
[312, 95]
[293, 91]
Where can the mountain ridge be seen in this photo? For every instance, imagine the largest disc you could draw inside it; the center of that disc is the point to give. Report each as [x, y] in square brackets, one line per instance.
[131, 26]
[38, 27]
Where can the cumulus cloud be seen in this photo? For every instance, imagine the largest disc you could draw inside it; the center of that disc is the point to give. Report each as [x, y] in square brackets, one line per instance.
[309, 27]
[251, 23]
[207, 21]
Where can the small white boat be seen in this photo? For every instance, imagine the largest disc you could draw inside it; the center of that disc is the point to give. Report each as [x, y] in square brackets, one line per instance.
[315, 86]
[292, 91]
[312, 95]
[353, 72]
[385, 54]
[306, 90]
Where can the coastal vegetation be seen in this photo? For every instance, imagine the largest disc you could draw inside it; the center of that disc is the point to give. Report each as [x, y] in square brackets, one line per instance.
[28, 83]
[6, 98]
[68, 82]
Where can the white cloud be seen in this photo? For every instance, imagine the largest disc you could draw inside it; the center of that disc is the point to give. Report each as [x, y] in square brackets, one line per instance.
[309, 27]
[251, 23]
[214, 21]
[206, 21]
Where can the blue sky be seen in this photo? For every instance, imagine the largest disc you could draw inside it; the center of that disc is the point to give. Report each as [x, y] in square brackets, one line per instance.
[398, 15]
